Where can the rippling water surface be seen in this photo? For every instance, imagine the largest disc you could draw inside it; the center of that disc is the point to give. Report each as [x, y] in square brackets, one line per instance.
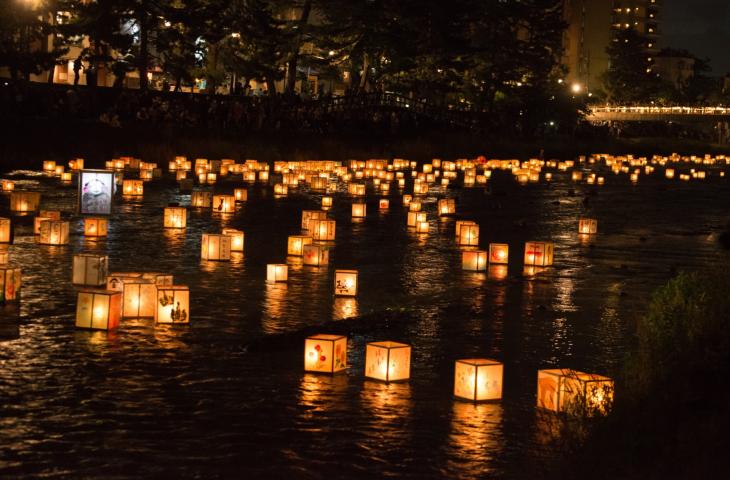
[226, 396]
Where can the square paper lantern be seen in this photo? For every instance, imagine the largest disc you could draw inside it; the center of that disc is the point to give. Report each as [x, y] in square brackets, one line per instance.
[326, 203]
[237, 238]
[4, 257]
[49, 166]
[570, 391]
[276, 272]
[163, 279]
[414, 206]
[173, 304]
[469, 235]
[498, 253]
[459, 223]
[325, 353]
[54, 232]
[90, 269]
[346, 283]
[5, 230]
[95, 227]
[296, 243]
[358, 210]
[414, 218]
[447, 206]
[44, 215]
[383, 204]
[588, 226]
[9, 283]
[176, 217]
[240, 194]
[139, 298]
[539, 254]
[8, 185]
[215, 247]
[475, 260]
[224, 203]
[388, 361]
[309, 215]
[478, 379]
[323, 230]
[315, 255]
[422, 227]
[281, 189]
[98, 309]
[134, 188]
[200, 199]
[24, 201]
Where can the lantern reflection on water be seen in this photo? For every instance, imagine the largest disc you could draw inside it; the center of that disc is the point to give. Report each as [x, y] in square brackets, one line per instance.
[176, 217]
[475, 260]
[573, 392]
[215, 246]
[24, 201]
[173, 304]
[478, 379]
[95, 227]
[388, 361]
[90, 269]
[277, 272]
[346, 283]
[539, 254]
[325, 353]
[315, 255]
[296, 243]
[54, 232]
[588, 226]
[9, 283]
[237, 239]
[498, 253]
[98, 309]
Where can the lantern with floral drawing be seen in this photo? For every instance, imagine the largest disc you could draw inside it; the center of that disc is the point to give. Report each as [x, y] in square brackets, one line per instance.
[54, 232]
[296, 243]
[98, 309]
[588, 226]
[42, 216]
[498, 253]
[383, 204]
[9, 283]
[176, 217]
[90, 269]
[323, 230]
[6, 230]
[224, 203]
[139, 298]
[241, 194]
[478, 379]
[237, 237]
[214, 246]
[24, 201]
[539, 254]
[315, 255]
[325, 353]
[574, 392]
[358, 210]
[133, 188]
[474, 260]
[200, 199]
[446, 206]
[388, 361]
[95, 227]
[326, 203]
[173, 304]
[346, 283]
[469, 235]
[276, 272]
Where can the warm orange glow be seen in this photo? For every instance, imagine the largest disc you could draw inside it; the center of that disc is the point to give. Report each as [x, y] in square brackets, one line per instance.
[588, 226]
[475, 260]
[296, 243]
[358, 210]
[98, 309]
[215, 246]
[498, 253]
[539, 254]
[237, 239]
[54, 232]
[173, 304]
[224, 204]
[388, 361]
[132, 187]
[323, 230]
[277, 272]
[175, 217]
[95, 227]
[241, 194]
[574, 392]
[315, 255]
[478, 379]
[346, 283]
[325, 353]
[469, 235]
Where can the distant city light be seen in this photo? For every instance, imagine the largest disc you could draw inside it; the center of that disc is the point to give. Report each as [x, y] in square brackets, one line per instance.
[576, 88]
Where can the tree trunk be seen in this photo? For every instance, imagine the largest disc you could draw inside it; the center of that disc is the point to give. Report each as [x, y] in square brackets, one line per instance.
[271, 87]
[364, 77]
[51, 73]
[143, 46]
[291, 69]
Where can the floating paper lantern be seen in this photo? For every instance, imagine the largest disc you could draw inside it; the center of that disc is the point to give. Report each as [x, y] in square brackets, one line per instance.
[414, 206]
[388, 361]
[478, 379]
[9, 283]
[49, 166]
[588, 226]
[237, 238]
[8, 186]
[139, 298]
[296, 243]
[200, 199]
[176, 217]
[358, 210]
[215, 246]
[315, 255]
[67, 177]
[326, 203]
[414, 218]
[422, 226]
[95, 227]
[309, 215]
[263, 176]
[210, 178]
[276, 272]
[539, 254]
[570, 391]
[325, 353]
[576, 176]
[323, 230]
[469, 234]
[224, 203]
[4, 257]
[241, 194]
[133, 188]
[90, 269]
[447, 206]
[281, 189]
[475, 260]
[407, 200]
[498, 253]
[54, 232]
[6, 232]
[98, 309]
[24, 201]
[44, 215]
[383, 204]
[173, 304]
[669, 173]
[346, 283]
[356, 189]
[163, 279]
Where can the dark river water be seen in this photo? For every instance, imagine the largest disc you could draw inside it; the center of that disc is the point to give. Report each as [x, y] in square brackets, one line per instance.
[227, 397]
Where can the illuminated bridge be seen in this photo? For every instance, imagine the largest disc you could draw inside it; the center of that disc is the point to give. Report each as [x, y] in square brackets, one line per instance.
[659, 114]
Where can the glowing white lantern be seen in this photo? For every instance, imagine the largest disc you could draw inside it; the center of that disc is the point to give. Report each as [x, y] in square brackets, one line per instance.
[346, 283]
[325, 353]
[276, 272]
[42, 216]
[98, 309]
[478, 379]
[133, 188]
[296, 243]
[176, 217]
[95, 227]
[90, 269]
[422, 226]
[173, 304]
[215, 246]
[475, 260]
[309, 215]
[469, 235]
[388, 361]
[326, 203]
[447, 206]
[315, 255]
[414, 206]
[54, 232]
[358, 210]
[139, 298]
[237, 237]
[539, 254]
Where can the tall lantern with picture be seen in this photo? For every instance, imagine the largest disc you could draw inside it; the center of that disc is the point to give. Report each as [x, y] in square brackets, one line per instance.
[96, 191]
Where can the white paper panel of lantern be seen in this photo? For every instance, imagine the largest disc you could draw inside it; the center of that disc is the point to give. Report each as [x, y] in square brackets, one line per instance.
[5, 230]
[42, 216]
[478, 379]
[276, 272]
[133, 188]
[9, 283]
[4, 257]
[215, 246]
[570, 391]
[469, 235]
[498, 253]
[323, 230]
[237, 239]
[539, 254]
[224, 203]
[240, 194]
[200, 199]
[90, 269]
[474, 260]
[296, 243]
[358, 210]
[388, 361]
[315, 255]
[324, 353]
[95, 227]
[98, 309]
[24, 201]
[346, 283]
[54, 232]
[139, 298]
[175, 217]
[173, 304]
[588, 226]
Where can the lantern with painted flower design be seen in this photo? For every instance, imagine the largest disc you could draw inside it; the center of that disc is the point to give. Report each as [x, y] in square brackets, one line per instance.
[498, 253]
[539, 254]
[315, 255]
[324, 353]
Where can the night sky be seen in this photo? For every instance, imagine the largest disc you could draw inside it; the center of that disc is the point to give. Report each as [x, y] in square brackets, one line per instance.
[700, 26]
